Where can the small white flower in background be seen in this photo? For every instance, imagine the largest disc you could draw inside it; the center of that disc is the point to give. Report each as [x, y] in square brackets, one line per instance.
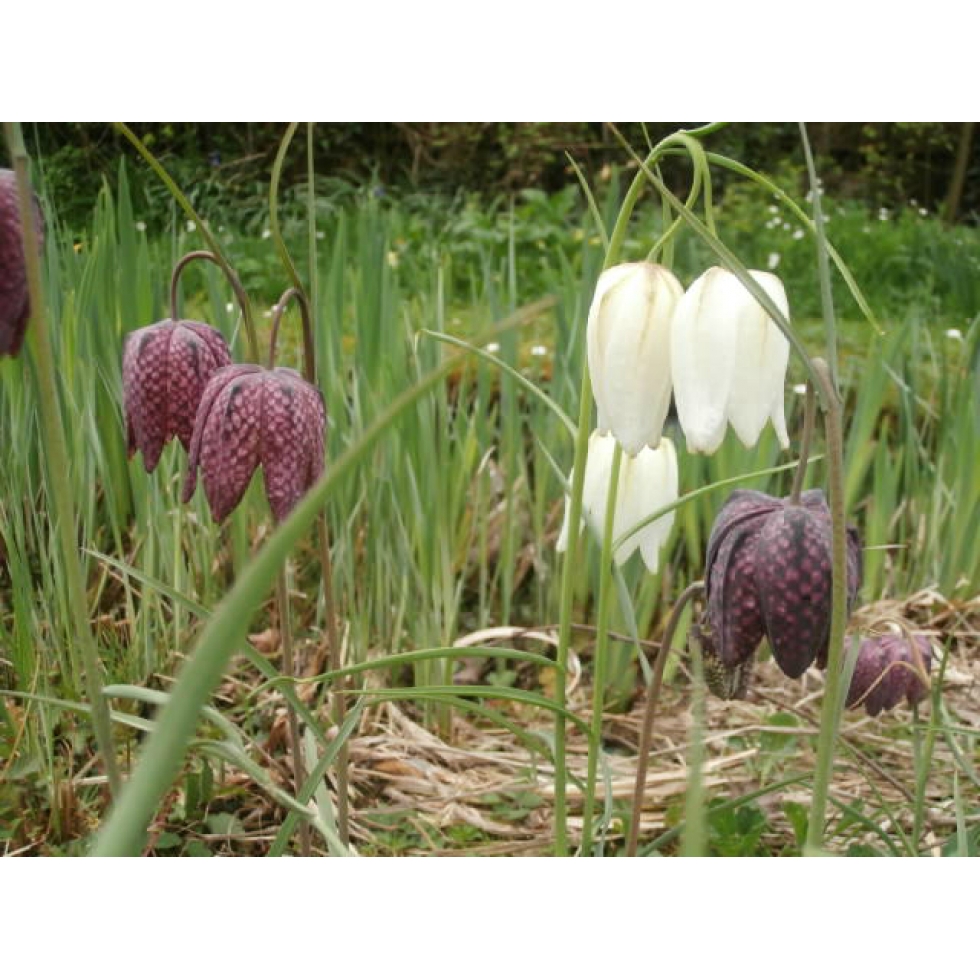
[492, 347]
[883, 214]
[954, 334]
[798, 234]
[728, 360]
[229, 307]
[773, 260]
[191, 226]
[647, 483]
[141, 226]
[923, 212]
[266, 233]
[538, 350]
[774, 209]
[799, 389]
[628, 339]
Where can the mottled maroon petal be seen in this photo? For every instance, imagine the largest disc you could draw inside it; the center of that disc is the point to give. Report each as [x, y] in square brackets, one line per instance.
[230, 443]
[15, 306]
[292, 428]
[193, 357]
[741, 506]
[866, 684]
[166, 367]
[734, 611]
[886, 672]
[145, 370]
[793, 575]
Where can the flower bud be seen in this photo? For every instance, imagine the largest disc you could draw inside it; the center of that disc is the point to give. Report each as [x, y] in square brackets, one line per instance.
[888, 668]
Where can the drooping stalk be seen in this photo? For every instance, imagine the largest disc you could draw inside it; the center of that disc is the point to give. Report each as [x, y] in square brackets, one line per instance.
[833, 420]
[59, 468]
[649, 712]
[242, 299]
[338, 698]
[308, 313]
[694, 840]
[823, 376]
[233, 280]
[601, 654]
[289, 669]
[570, 565]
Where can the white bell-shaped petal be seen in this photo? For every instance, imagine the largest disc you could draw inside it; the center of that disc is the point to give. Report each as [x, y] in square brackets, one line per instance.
[728, 360]
[702, 347]
[761, 358]
[647, 482]
[628, 340]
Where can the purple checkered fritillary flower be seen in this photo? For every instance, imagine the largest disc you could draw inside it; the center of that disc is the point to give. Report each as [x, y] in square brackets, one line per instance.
[768, 574]
[251, 416]
[887, 670]
[15, 306]
[166, 367]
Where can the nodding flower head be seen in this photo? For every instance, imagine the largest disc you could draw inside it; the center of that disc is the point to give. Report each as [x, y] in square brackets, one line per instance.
[628, 340]
[15, 305]
[768, 574]
[888, 668]
[165, 369]
[728, 360]
[249, 416]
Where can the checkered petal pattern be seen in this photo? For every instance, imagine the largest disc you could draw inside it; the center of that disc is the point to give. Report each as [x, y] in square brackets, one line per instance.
[15, 307]
[166, 367]
[768, 574]
[886, 671]
[250, 416]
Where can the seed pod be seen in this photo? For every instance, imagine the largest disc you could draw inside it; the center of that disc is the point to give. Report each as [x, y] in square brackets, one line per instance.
[15, 305]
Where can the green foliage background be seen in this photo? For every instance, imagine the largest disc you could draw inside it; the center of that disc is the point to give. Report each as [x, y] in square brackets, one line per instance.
[880, 164]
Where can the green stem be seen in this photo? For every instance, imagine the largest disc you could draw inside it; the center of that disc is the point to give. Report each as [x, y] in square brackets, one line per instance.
[809, 413]
[233, 280]
[289, 667]
[568, 572]
[823, 264]
[830, 714]
[649, 712]
[570, 565]
[338, 698]
[695, 838]
[601, 654]
[924, 760]
[59, 468]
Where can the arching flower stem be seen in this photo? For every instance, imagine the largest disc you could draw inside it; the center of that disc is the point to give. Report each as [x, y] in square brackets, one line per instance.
[233, 280]
[694, 590]
[338, 698]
